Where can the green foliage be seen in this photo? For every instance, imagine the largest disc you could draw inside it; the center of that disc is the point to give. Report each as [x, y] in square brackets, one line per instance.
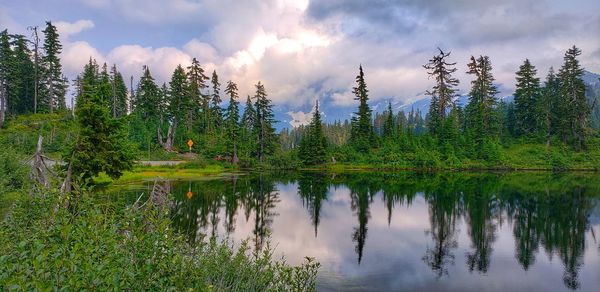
[232, 117]
[481, 119]
[313, 146]
[263, 125]
[573, 103]
[443, 91]
[389, 126]
[101, 145]
[527, 100]
[104, 246]
[53, 83]
[148, 97]
[13, 173]
[362, 135]
[21, 134]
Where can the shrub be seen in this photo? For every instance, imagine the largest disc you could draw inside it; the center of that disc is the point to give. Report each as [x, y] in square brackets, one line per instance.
[12, 171]
[104, 246]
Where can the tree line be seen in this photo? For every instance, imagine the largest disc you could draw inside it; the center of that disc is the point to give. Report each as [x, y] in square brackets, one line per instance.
[557, 108]
[163, 117]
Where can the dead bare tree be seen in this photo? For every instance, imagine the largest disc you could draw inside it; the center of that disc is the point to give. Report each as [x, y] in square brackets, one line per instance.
[168, 144]
[40, 172]
[36, 64]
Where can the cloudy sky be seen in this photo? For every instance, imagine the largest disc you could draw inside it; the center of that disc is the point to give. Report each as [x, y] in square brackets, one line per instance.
[305, 50]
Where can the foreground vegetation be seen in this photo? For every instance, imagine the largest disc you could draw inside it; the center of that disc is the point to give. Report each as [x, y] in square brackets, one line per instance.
[98, 245]
[78, 241]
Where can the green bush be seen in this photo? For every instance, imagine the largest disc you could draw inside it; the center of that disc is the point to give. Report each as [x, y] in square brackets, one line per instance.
[103, 246]
[283, 160]
[13, 171]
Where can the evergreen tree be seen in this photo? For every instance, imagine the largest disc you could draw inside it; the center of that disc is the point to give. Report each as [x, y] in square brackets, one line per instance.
[101, 144]
[574, 106]
[232, 116]
[119, 93]
[196, 99]
[362, 135]
[104, 90]
[215, 111]
[480, 118]
[550, 106]
[178, 90]
[247, 126]
[389, 125]
[175, 101]
[527, 95]
[54, 85]
[148, 97]
[443, 91]
[22, 81]
[313, 146]
[263, 127]
[87, 82]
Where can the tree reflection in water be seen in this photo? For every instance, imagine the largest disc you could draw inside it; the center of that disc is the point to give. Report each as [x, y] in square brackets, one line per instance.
[549, 212]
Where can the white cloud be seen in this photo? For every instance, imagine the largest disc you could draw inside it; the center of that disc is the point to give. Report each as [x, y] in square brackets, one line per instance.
[301, 118]
[76, 54]
[68, 29]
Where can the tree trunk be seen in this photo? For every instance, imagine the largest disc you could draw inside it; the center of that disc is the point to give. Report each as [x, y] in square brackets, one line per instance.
[68, 184]
[51, 96]
[168, 144]
[38, 169]
[36, 83]
[114, 99]
[234, 159]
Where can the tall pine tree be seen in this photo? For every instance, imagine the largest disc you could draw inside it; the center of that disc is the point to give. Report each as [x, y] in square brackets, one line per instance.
[196, 99]
[119, 93]
[313, 146]
[362, 135]
[443, 91]
[389, 126]
[527, 95]
[148, 97]
[263, 125]
[574, 106]
[53, 83]
[247, 126]
[481, 120]
[550, 106]
[22, 81]
[216, 113]
[232, 116]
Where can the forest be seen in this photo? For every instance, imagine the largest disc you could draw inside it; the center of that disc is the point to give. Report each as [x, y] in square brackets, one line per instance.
[550, 124]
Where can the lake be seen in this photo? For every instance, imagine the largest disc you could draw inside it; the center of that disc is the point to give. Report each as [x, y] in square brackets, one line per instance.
[409, 231]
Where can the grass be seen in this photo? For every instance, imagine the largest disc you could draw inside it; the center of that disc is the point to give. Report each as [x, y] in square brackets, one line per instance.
[173, 172]
[513, 157]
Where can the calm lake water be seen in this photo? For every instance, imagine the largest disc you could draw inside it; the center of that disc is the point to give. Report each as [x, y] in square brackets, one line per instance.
[409, 231]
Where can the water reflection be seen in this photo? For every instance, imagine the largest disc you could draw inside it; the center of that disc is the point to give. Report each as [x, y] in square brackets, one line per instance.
[466, 214]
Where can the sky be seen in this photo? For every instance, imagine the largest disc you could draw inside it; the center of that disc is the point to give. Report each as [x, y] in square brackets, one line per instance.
[307, 50]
